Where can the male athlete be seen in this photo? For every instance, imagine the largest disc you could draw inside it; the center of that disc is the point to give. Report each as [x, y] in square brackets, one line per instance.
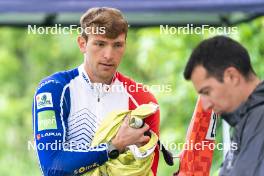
[70, 105]
[221, 72]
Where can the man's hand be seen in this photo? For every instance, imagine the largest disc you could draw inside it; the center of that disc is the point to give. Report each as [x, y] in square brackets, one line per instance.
[127, 136]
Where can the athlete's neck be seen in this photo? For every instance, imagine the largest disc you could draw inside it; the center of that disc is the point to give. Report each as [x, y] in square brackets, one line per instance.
[95, 79]
[251, 86]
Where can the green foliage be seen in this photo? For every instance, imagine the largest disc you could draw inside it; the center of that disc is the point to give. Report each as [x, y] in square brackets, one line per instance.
[151, 58]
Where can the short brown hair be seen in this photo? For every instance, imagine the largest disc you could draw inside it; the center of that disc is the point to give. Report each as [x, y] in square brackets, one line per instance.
[110, 18]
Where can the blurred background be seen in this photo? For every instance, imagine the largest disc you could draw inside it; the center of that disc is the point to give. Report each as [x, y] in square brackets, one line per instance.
[152, 57]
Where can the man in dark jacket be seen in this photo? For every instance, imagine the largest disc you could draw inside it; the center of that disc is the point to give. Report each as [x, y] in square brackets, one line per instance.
[221, 73]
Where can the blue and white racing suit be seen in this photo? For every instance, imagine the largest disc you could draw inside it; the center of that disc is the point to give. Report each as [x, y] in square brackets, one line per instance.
[67, 110]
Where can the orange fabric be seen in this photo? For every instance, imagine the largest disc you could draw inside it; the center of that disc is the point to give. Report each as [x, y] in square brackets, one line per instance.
[196, 160]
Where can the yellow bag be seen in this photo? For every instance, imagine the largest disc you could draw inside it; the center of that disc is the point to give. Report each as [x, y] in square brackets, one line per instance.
[126, 164]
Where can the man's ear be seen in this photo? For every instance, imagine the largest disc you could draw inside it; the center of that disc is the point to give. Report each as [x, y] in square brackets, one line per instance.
[82, 44]
[232, 76]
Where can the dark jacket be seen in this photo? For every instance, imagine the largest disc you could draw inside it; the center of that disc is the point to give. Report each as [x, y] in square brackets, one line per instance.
[248, 123]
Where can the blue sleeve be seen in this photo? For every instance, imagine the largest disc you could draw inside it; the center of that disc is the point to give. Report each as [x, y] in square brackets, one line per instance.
[51, 108]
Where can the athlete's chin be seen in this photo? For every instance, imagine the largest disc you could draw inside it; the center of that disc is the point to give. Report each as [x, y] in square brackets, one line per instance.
[217, 111]
[220, 112]
[107, 75]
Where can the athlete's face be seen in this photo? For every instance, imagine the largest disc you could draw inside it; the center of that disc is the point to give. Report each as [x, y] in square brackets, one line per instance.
[222, 97]
[102, 56]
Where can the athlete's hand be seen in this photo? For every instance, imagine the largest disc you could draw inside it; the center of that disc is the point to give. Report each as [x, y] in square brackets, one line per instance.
[127, 136]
